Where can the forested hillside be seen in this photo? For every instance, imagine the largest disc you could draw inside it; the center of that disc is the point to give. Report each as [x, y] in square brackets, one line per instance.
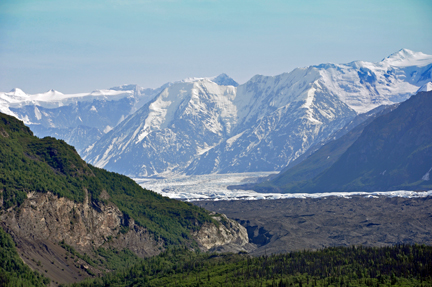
[402, 265]
[13, 271]
[29, 164]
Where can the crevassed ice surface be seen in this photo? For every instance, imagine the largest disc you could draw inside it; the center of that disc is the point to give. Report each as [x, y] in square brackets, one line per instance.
[214, 187]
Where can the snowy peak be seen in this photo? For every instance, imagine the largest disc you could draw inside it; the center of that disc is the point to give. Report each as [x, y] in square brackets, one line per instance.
[214, 125]
[17, 92]
[51, 95]
[187, 100]
[407, 58]
[15, 95]
[224, 80]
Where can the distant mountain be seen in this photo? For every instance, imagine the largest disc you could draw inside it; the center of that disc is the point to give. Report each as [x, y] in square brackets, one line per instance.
[79, 119]
[197, 126]
[179, 130]
[224, 80]
[183, 120]
[318, 152]
[392, 152]
[214, 125]
[320, 156]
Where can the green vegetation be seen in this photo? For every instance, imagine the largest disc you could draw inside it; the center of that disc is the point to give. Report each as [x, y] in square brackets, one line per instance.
[401, 265]
[105, 258]
[72, 251]
[117, 259]
[170, 219]
[13, 271]
[28, 164]
[31, 164]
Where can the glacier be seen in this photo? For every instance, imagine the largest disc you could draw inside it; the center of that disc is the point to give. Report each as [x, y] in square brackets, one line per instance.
[214, 187]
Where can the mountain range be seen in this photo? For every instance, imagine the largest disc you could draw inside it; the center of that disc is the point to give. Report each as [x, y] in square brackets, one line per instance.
[389, 151]
[214, 125]
[201, 127]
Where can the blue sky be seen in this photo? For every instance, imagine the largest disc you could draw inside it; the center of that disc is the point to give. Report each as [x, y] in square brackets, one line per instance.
[77, 46]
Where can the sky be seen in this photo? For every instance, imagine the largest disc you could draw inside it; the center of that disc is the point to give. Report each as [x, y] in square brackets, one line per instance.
[84, 45]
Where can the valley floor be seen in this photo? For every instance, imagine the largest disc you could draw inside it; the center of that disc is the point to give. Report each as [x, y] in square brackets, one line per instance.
[283, 225]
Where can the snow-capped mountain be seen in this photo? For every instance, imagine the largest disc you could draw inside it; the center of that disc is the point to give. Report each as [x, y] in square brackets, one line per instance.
[185, 119]
[79, 119]
[197, 126]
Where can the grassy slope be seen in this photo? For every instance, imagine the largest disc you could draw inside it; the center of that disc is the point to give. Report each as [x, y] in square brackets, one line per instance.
[28, 163]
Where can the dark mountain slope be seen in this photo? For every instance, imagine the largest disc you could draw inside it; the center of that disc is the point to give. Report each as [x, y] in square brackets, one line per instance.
[359, 122]
[393, 152]
[390, 152]
[321, 156]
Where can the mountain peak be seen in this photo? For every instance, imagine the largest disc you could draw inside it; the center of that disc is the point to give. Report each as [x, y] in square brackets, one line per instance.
[53, 92]
[405, 58]
[17, 91]
[224, 80]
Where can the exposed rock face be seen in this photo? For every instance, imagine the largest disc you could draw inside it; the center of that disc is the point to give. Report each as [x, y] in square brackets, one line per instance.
[138, 240]
[44, 216]
[229, 234]
[85, 226]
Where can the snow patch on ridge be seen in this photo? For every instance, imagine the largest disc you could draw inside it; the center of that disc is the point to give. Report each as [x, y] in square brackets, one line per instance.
[425, 88]
[426, 176]
[37, 113]
[231, 140]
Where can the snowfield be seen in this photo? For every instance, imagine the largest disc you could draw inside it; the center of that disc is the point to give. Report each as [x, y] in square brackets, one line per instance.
[214, 187]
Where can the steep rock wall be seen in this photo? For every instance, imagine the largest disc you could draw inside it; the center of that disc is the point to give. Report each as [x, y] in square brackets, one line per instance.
[228, 236]
[89, 225]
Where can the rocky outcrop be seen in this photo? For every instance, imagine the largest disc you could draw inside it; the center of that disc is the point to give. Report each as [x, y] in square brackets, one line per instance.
[44, 216]
[228, 236]
[90, 225]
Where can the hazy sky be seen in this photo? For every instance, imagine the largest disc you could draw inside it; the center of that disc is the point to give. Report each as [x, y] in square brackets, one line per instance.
[83, 45]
